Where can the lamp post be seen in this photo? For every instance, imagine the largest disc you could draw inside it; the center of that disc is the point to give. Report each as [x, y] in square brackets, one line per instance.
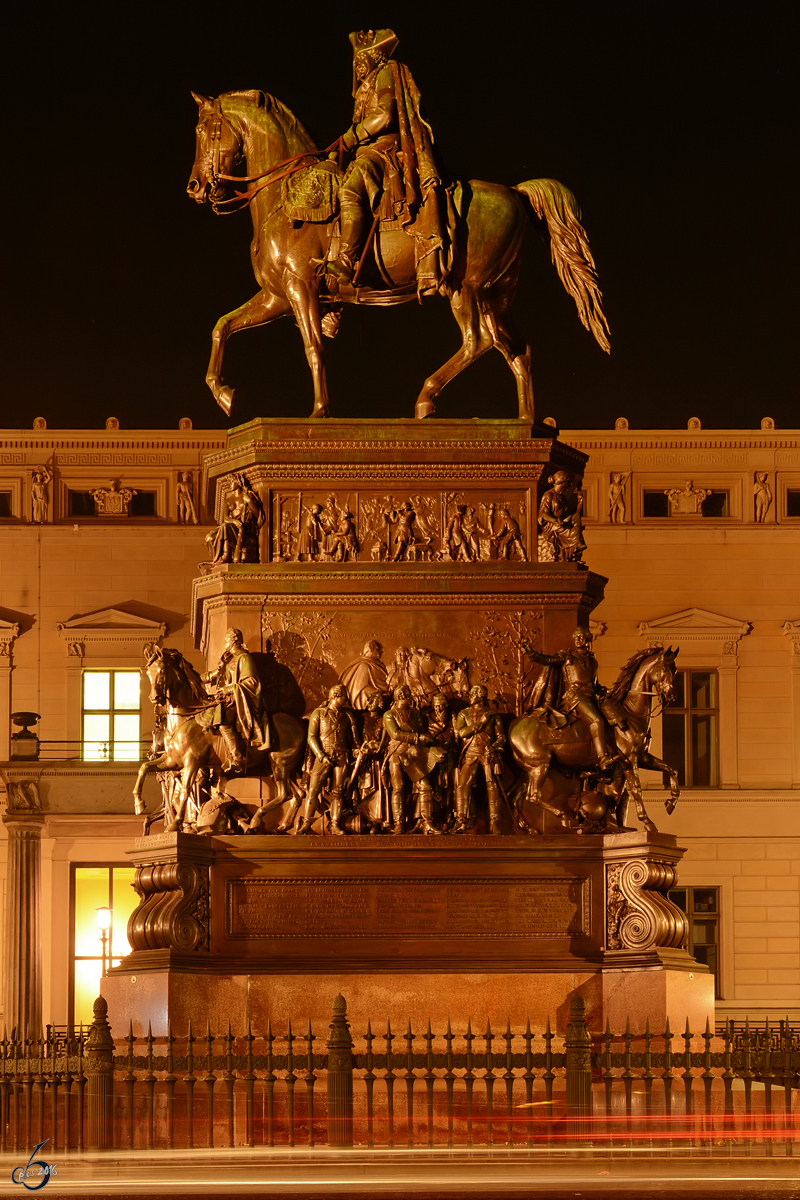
[104, 925]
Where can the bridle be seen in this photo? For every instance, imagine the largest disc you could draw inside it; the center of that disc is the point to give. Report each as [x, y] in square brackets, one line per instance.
[264, 178]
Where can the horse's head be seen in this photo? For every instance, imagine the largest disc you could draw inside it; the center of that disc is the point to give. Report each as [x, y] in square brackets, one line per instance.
[155, 672]
[662, 674]
[218, 148]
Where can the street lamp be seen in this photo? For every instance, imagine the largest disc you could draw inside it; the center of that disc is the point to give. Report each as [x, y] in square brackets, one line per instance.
[104, 924]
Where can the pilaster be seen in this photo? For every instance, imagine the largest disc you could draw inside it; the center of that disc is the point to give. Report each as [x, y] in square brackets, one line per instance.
[23, 933]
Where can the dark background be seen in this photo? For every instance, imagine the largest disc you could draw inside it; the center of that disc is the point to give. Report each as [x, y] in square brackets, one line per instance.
[675, 125]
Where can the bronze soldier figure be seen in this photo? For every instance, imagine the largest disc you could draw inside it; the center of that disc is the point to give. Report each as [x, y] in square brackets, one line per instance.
[508, 538]
[580, 689]
[410, 752]
[332, 737]
[482, 732]
[393, 173]
[367, 776]
[442, 731]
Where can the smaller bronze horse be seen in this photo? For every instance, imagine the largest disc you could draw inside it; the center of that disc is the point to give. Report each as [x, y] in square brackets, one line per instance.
[190, 747]
[647, 674]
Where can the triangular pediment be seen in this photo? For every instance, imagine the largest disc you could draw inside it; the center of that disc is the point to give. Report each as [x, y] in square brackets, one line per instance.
[695, 623]
[111, 624]
[9, 628]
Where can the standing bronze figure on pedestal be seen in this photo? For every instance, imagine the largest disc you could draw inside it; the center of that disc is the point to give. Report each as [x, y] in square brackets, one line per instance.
[311, 250]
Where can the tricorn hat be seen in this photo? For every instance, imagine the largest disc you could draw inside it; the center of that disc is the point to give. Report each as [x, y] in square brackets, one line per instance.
[368, 41]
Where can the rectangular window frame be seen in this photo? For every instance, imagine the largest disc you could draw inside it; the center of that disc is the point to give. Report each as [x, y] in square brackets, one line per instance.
[694, 915]
[111, 712]
[74, 867]
[688, 711]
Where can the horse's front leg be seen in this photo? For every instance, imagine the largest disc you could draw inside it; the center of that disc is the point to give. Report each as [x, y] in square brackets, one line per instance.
[260, 310]
[304, 297]
[648, 762]
[635, 790]
[156, 764]
[188, 776]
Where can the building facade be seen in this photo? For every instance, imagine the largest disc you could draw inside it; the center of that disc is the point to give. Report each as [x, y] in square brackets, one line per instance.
[102, 533]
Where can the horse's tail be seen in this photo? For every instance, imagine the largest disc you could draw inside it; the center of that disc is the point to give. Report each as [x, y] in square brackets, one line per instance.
[569, 250]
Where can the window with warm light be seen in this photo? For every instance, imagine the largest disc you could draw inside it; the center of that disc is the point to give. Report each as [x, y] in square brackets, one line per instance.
[690, 729]
[111, 715]
[102, 901]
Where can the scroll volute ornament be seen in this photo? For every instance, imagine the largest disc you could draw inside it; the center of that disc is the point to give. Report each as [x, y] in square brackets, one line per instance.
[173, 912]
[639, 912]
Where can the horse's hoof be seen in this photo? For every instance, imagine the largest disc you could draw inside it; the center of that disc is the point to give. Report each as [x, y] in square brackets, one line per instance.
[320, 410]
[139, 808]
[424, 408]
[225, 399]
[173, 827]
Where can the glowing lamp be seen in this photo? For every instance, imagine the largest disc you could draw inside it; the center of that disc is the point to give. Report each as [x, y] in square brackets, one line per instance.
[104, 918]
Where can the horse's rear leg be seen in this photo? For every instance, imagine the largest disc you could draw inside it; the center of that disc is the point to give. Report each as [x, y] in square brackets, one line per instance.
[259, 310]
[476, 339]
[514, 350]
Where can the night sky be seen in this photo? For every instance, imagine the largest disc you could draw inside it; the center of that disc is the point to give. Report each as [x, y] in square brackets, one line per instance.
[675, 125]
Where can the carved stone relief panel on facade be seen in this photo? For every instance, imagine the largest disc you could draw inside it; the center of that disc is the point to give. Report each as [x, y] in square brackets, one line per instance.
[422, 526]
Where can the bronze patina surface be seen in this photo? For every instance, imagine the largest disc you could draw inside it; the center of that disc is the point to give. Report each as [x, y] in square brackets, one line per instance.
[375, 223]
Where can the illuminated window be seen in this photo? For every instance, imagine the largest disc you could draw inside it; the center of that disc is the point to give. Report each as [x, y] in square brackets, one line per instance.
[701, 905]
[111, 716]
[690, 729]
[96, 887]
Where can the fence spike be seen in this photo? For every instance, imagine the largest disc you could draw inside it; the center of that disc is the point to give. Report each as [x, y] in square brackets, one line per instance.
[667, 1034]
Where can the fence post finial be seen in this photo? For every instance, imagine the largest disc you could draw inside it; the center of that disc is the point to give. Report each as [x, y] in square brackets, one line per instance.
[100, 1078]
[340, 1077]
[578, 1062]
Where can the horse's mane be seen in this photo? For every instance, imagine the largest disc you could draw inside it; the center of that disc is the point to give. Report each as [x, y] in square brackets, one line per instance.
[183, 670]
[624, 680]
[275, 107]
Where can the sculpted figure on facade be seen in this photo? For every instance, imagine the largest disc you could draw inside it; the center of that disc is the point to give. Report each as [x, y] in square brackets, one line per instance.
[239, 716]
[365, 675]
[686, 501]
[392, 172]
[187, 514]
[441, 728]
[483, 736]
[332, 739]
[40, 497]
[574, 690]
[113, 501]
[236, 537]
[410, 754]
[345, 539]
[560, 521]
[508, 538]
[309, 543]
[368, 782]
[616, 497]
[763, 496]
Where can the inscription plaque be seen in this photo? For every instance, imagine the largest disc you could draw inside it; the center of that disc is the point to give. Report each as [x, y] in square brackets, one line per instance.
[283, 908]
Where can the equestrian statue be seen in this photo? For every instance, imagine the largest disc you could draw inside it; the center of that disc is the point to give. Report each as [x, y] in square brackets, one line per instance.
[371, 220]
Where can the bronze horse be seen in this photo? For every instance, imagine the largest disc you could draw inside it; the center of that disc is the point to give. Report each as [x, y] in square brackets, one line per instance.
[255, 129]
[190, 747]
[648, 674]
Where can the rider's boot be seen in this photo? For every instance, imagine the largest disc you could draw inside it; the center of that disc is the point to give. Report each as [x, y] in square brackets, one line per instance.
[461, 824]
[494, 808]
[426, 812]
[351, 239]
[604, 756]
[335, 814]
[235, 761]
[397, 810]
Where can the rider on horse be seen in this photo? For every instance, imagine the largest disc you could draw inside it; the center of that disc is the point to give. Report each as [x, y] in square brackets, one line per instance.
[240, 708]
[580, 691]
[393, 174]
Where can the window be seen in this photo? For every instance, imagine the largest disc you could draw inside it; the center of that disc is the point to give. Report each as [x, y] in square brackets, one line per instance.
[94, 887]
[5, 504]
[690, 729]
[792, 502]
[143, 504]
[111, 716]
[81, 504]
[715, 505]
[655, 504]
[701, 905]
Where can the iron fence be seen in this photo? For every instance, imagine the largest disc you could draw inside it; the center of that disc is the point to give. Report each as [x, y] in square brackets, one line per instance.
[82, 1090]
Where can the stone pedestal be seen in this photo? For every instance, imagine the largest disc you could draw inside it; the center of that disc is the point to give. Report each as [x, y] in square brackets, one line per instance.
[23, 934]
[258, 928]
